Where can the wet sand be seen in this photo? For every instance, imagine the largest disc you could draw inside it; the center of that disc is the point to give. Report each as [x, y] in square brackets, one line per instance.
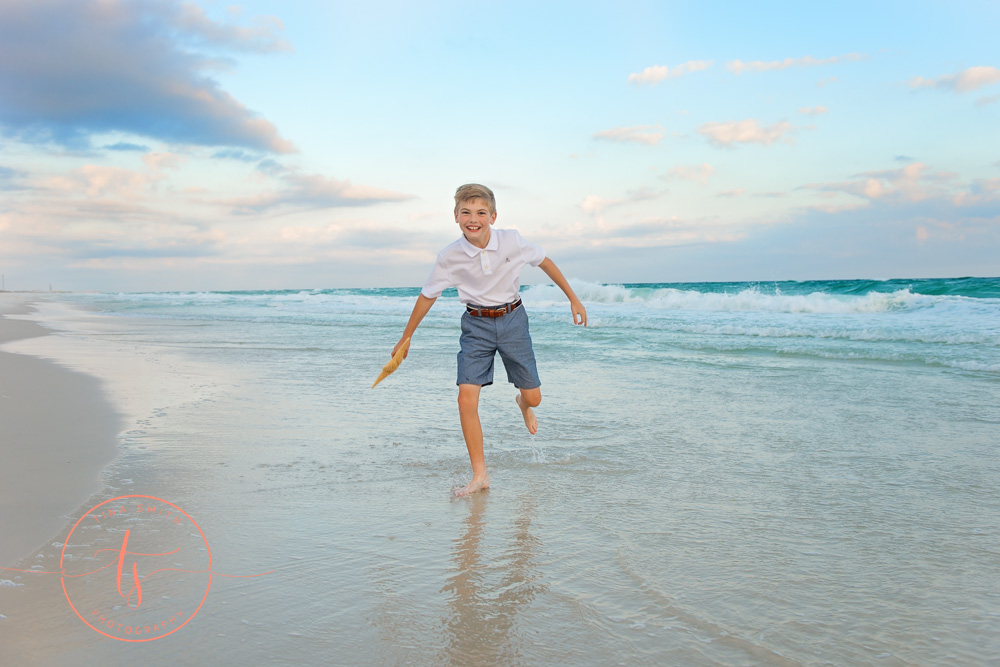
[58, 434]
[752, 510]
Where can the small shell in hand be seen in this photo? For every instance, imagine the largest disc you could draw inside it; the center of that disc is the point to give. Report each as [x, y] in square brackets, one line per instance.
[394, 363]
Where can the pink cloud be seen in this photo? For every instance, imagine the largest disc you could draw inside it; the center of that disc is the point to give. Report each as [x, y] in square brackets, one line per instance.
[699, 173]
[647, 135]
[739, 67]
[728, 134]
[658, 73]
[813, 111]
[962, 82]
[311, 191]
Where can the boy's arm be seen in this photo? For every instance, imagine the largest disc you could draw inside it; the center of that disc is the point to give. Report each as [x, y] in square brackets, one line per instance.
[420, 308]
[553, 272]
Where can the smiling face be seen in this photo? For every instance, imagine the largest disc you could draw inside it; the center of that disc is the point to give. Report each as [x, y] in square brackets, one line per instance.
[474, 218]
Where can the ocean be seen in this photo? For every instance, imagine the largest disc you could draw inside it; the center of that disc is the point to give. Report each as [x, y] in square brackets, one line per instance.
[724, 474]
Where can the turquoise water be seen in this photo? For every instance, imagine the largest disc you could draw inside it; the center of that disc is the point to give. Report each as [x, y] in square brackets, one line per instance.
[951, 323]
[724, 473]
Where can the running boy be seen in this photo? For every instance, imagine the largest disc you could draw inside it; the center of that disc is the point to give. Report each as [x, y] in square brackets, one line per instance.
[485, 265]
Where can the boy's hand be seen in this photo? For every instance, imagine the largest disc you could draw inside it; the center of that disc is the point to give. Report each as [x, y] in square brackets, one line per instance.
[579, 312]
[398, 345]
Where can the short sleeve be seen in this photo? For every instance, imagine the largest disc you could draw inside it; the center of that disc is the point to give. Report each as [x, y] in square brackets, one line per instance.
[530, 253]
[438, 281]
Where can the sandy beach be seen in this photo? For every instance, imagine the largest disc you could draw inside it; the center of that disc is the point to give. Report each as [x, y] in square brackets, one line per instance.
[782, 479]
[59, 433]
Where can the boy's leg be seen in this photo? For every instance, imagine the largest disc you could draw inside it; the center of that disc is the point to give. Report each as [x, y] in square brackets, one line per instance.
[475, 369]
[527, 399]
[514, 345]
[472, 429]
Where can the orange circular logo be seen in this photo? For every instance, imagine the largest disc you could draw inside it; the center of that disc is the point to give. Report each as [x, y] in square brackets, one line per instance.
[136, 568]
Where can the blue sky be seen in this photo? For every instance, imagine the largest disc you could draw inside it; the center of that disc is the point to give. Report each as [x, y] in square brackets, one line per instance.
[162, 145]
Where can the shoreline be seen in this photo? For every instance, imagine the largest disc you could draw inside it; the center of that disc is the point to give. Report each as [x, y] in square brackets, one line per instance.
[778, 466]
[60, 432]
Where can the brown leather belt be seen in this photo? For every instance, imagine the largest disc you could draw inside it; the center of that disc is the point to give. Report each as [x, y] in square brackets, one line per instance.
[479, 311]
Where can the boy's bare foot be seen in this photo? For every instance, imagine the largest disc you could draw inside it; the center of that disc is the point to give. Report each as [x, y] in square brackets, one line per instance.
[477, 484]
[530, 420]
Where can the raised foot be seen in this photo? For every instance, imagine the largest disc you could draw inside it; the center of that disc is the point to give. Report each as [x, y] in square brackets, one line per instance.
[530, 420]
[475, 485]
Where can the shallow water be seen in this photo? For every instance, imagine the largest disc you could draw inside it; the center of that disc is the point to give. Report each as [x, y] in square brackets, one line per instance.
[723, 474]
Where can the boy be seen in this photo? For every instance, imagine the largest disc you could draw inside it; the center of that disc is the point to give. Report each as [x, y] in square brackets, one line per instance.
[485, 265]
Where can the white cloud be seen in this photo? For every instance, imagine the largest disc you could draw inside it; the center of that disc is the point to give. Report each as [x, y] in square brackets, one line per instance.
[983, 101]
[657, 73]
[641, 232]
[311, 192]
[648, 135]
[912, 183]
[726, 135]
[595, 205]
[739, 67]
[982, 191]
[813, 111]
[691, 172]
[738, 192]
[160, 161]
[962, 82]
[100, 181]
[262, 37]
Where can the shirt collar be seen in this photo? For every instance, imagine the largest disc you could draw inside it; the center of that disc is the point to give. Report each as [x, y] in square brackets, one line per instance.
[472, 250]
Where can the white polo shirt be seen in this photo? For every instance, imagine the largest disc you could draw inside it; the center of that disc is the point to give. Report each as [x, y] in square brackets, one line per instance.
[490, 276]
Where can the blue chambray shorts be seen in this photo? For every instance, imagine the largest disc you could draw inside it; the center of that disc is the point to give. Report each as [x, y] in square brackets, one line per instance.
[483, 337]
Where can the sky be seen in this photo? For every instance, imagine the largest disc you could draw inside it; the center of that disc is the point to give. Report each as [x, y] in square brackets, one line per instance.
[159, 145]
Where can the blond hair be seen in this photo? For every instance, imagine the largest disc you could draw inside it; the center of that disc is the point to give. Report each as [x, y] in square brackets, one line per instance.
[475, 191]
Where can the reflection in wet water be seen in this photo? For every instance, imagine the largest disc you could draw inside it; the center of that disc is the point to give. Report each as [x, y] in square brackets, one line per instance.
[762, 495]
[486, 594]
